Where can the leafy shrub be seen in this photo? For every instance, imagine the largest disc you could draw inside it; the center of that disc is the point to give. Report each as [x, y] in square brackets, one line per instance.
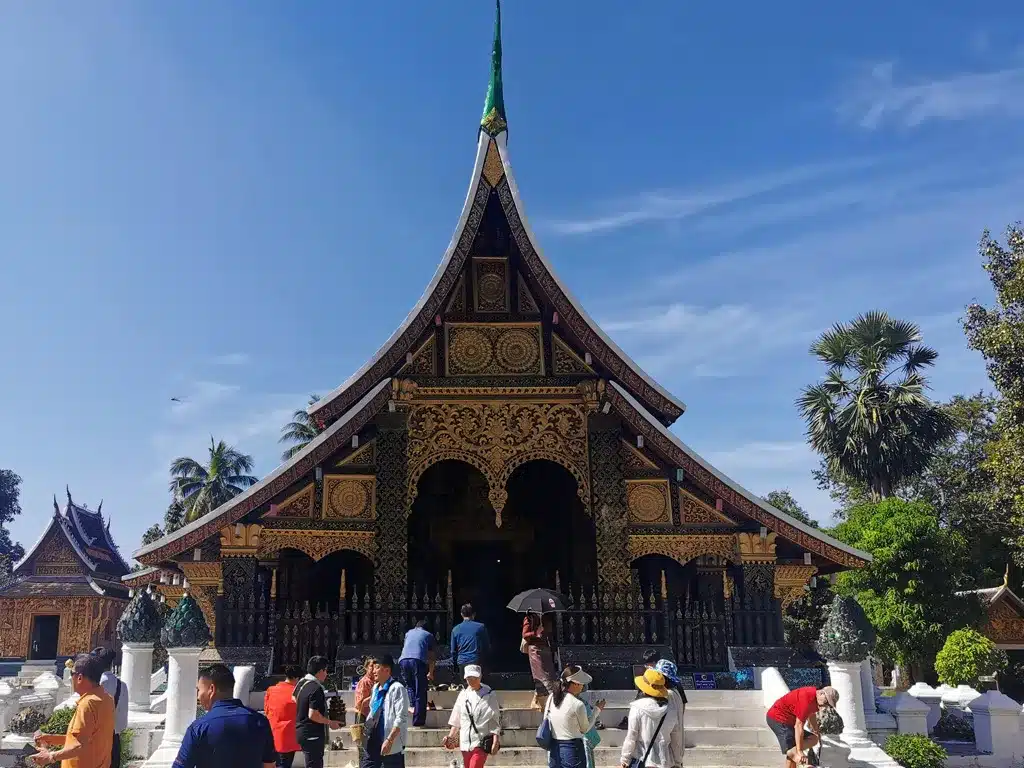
[830, 722]
[27, 722]
[126, 746]
[954, 725]
[59, 721]
[912, 750]
[967, 656]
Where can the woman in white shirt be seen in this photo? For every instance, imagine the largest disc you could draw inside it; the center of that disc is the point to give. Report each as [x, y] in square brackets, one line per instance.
[568, 718]
[651, 722]
[474, 721]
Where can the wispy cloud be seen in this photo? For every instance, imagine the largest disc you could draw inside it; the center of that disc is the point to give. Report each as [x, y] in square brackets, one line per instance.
[879, 98]
[232, 358]
[678, 205]
[761, 455]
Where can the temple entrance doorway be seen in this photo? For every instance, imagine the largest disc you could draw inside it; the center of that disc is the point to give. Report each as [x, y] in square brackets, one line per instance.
[45, 631]
[545, 535]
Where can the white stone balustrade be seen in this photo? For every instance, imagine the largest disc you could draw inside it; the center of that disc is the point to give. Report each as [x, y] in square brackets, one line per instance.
[846, 680]
[182, 675]
[136, 670]
[911, 714]
[773, 686]
[932, 697]
[245, 678]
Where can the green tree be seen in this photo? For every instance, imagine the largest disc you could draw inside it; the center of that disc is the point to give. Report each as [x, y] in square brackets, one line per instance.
[151, 534]
[204, 488]
[911, 588]
[784, 502]
[870, 419]
[10, 507]
[301, 430]
[966, 656]
[998, 334]
[174, 517]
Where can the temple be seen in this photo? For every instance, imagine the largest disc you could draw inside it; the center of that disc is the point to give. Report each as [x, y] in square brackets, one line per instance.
[498, 440]
[66, 595]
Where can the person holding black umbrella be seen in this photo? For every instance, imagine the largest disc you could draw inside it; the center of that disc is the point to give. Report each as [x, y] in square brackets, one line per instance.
[538, 638]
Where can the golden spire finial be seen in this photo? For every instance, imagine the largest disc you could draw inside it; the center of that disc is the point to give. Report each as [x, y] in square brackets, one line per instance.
[1006, 576]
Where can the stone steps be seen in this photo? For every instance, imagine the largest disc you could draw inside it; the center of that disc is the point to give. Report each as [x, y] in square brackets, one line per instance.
[610, 737]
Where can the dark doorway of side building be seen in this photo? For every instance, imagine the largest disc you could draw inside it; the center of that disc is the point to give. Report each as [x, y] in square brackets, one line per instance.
[545, 534]
[45, 631]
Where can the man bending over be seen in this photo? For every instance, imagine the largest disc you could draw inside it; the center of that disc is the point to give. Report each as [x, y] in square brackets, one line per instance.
[794, 721]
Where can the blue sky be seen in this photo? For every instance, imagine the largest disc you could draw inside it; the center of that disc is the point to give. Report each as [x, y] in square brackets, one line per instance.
[237, 207]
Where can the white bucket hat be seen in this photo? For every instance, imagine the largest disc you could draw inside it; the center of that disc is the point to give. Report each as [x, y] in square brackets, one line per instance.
[473, 670]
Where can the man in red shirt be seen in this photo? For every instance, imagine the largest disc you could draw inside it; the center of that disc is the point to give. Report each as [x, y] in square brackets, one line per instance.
[788, 716]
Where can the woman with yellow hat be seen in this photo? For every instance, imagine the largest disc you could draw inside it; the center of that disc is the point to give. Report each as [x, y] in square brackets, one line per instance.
[649, 726]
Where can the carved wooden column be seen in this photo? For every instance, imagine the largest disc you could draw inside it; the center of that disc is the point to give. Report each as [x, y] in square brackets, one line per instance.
[238, 545]
[609, 502]
[391, 573]
[757, 554]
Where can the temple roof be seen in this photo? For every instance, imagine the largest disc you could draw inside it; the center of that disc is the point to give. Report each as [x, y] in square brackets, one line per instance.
[392, 355]
[91, 546]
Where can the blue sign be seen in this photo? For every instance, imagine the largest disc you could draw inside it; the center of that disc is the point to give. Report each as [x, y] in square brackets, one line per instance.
[704, 681]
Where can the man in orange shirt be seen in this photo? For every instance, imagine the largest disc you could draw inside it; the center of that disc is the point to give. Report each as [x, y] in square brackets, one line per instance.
[279, 707]
[90, 737]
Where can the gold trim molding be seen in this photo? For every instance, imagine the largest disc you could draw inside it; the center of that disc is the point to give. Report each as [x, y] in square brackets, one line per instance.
[684, 547]
[649, 502]
[240, 540]
[790, 581]
[317, 544]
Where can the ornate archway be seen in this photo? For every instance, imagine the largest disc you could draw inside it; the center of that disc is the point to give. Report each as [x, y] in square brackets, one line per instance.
[498, 437]
[316, 544]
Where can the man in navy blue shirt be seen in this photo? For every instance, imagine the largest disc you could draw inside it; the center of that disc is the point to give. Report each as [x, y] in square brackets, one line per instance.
[417, 666]
[470, 642]
[229, 735]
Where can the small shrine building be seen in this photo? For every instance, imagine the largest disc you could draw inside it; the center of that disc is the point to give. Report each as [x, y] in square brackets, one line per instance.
[66, 595]
[498, 441]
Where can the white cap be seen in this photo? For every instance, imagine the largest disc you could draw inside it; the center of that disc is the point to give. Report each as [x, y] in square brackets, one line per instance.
[473, 670]
[580, 677]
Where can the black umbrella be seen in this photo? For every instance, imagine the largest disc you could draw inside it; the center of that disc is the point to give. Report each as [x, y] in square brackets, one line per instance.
[538, 601]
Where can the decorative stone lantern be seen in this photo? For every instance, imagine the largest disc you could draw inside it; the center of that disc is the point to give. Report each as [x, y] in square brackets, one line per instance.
[139, 630]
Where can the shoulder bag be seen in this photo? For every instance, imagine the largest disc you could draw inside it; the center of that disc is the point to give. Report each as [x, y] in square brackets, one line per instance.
[545, 736]
[642, 763]
[487, 743]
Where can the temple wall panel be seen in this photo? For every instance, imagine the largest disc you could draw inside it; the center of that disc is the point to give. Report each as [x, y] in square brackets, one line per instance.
[83, 621]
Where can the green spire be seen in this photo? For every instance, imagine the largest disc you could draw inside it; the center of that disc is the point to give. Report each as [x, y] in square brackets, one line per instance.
[493, 120]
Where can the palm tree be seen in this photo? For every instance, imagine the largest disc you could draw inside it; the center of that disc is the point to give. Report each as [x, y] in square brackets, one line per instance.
[300, 431]
[870, 418]
[202, 489]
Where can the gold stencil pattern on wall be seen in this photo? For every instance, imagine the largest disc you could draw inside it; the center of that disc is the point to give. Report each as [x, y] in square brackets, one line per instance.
[480, 349]
[649, 502]
[565, 362]
[423, 361]
[493, 169]
[527, 304]
[490, 284]
[694, 511]
[349, 497]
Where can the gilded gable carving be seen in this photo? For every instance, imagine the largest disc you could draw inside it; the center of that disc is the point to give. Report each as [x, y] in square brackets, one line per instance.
[349, 497]
[507, 349]
[790, 581]
[635, 460]
[56, 557]
[527, 304]
[423, 361]
[694, 511]
[649, 502]
[240, 540]
[299, 504]
[565, 362]
[684, 547]
[493, 169]
[317, 544]
[490, 284]
[366, 456]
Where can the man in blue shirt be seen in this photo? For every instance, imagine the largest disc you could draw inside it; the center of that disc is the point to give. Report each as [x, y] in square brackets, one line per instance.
[417, 666]
[470, 642]
[229, 735]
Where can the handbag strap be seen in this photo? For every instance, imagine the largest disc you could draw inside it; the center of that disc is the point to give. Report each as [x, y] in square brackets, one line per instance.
[472, 724]
[654, 738]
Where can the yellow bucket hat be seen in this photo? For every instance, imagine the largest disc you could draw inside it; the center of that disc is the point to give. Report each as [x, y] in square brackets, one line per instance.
[652, 682]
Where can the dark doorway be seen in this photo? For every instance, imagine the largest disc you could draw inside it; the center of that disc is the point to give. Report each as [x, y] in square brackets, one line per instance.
[545, 535]
[45, 631]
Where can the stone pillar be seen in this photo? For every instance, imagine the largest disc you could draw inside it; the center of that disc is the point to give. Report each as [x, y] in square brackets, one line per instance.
[137, 661]
[390, 577]
[608, 502]
[867, 685]
[932, 697]
[845, 676]
[911, 714]
[997, 724]
[773, 686]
